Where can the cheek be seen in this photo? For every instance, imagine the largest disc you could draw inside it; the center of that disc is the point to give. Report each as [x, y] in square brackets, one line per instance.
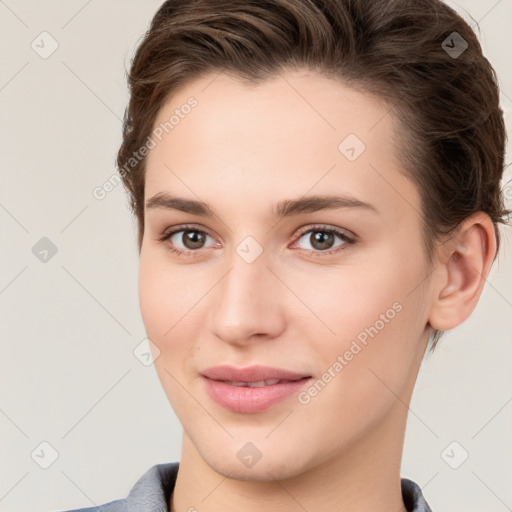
[160, 296]
[353, 301]
[163, 306]
[372, 357]
[172, 301]
[152, 307]
[373, 317]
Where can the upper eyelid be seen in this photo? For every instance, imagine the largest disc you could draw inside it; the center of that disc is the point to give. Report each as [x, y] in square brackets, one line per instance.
[187, 227]
[326, 227]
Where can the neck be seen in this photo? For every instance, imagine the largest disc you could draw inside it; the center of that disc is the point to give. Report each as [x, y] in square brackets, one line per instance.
[364, 477]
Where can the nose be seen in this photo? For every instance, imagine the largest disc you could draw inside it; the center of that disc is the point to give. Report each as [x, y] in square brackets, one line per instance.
[248, 302]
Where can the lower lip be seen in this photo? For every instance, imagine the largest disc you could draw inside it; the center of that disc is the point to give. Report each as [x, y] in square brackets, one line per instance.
[250, 400]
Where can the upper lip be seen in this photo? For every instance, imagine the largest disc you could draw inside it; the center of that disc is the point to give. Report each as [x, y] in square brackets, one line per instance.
[250, 373]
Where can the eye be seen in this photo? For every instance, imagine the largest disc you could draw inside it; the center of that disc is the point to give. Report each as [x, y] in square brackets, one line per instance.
[322, 239]
[190, 237]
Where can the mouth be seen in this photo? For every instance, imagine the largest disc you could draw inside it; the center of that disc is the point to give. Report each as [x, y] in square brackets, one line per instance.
[252, 376]
[260, 383]
[254, 395]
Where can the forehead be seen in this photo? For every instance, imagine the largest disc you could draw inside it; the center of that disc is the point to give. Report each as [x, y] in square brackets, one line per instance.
[296, 133]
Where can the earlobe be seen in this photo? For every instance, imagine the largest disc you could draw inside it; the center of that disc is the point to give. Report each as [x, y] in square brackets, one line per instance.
[464, 260]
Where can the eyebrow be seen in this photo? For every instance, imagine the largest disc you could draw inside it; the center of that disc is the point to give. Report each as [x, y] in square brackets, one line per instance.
[285, 208]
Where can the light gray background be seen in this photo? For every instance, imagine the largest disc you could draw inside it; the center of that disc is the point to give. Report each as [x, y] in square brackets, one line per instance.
[70, 325]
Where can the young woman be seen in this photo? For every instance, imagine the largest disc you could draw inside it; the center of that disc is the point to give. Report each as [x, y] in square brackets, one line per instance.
[317, 191]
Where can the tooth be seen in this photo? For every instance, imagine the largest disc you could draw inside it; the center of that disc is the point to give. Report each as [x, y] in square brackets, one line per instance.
[259, 384]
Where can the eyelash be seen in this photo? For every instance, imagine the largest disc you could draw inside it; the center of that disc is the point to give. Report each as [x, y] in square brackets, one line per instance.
[318, 228]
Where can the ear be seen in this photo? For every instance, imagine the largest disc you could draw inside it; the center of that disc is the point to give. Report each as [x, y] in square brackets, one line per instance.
[464, 261]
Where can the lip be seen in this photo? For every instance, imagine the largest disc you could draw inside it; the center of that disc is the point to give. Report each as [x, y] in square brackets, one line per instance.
[251, 373]
[249, 400]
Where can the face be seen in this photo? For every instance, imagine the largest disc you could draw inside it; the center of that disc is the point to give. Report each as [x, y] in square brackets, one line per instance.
[332, 291]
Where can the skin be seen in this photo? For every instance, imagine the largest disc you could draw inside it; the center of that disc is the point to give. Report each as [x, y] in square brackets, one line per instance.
[243, 149]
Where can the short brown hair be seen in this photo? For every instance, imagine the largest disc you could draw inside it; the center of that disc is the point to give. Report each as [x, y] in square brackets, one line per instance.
[399, 50]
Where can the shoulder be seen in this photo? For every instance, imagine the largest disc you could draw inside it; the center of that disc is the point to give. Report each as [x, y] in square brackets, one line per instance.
[151, 492]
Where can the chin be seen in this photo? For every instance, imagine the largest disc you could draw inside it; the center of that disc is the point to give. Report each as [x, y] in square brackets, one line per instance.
[262, 471]
[228, 460]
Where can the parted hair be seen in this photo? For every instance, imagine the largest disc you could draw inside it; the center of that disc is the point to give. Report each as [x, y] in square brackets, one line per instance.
[419, 56]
